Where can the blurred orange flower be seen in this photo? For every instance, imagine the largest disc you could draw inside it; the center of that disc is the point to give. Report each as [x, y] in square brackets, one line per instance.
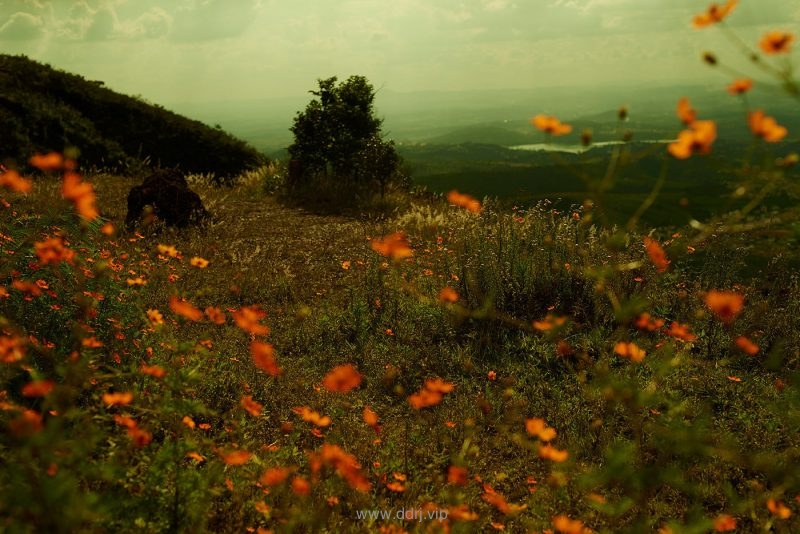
[464, 201]
[697, 139]
[199, 262]
[630, 350]
[778, 509]
[724, 523]
[550, 322]
[565, 525]
[740, 86]
[301, 486]
[185, 309]
[120, 398]
[457, 475]
[448, 294]
[686, 113]
[11, 179]
[168, 250]
[250, 406]
[274, 476]
[371, 418]
[52, 161]
[496, 499]
[395, 246]
[155, 317]
[550, 125]
[53, 250]
[747, 346]
[765, 127]
[342, 378]
[310, 416]
[726, 305]
[714, 14]
[264, 357]
[248, 319]
[153, 370]
[81, 194]
[776, 42]
[538, 427]
[215, 315]
[38, 388]
[235, 457]
[656, 254]
[548, 452]
[345, 464]
[681, 331]
[646, 322]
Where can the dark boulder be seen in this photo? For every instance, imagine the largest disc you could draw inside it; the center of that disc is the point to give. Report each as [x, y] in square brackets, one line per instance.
[171, 199]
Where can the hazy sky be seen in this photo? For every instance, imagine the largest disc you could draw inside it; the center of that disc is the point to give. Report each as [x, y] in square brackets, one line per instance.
[197, 50]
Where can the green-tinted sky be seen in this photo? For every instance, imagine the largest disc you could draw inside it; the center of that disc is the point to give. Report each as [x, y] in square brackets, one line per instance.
[197, 50]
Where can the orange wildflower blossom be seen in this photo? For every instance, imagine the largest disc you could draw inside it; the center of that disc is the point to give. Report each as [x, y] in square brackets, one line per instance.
[248, 319]
[53, 251]
[457, 475]
[301, 486]
[680, 331]
[550, 322]
[686, 113]
[448, 295]
[52, 161]
[38, 388]
[371, 418]
[395, 246]
[264, 357]
[746, 346]
[155, 317]
[12, 349]
[778, 509]
[776, 42]
[185, 309]
[565, 525]
[464, 201]
[168, 250]
[215, 315]
[496, 499]
[235, 457]
[726, 305]
[275, 476]
[155, 371]
[646, 322]
[714, 14]
[630, 350]
[346, 465]
[198, 262]
[538, 427]
[656, 254]
[11, 180]
[431, 393]
[550, 125]
[740, 86]
[724, 523]
[250, 406]
[81, 194]
[765, 127]
[122, 398]
[27, 424]
[548, 452]
[697, 139]
[310, 416]
[342, 379]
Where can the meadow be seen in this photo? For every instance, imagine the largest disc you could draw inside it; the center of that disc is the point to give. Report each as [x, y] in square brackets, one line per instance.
[438, 363]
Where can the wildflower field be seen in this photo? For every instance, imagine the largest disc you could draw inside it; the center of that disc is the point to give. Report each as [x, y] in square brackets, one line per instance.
[453, 367]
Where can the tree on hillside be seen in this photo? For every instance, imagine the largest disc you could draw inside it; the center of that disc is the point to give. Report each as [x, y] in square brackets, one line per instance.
[337, 139]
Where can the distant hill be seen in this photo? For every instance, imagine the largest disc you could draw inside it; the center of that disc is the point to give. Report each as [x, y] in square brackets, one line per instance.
[43, 109]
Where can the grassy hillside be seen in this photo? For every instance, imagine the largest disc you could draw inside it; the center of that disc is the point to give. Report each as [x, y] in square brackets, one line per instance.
[44, 109]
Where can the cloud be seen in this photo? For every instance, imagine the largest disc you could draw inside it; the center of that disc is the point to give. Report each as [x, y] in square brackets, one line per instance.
[22, 26]
[209, 20]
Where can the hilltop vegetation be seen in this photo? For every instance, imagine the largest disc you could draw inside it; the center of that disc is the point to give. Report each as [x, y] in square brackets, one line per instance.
[44, 109]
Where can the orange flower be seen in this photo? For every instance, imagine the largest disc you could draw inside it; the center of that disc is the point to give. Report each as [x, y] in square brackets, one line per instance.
[342, 379]
[153, 370]
[740, 86]
[118, 399]
[424, 398]
[274, 476]
[492, 376]
[765, 127]
[215, 315]
[697, 139]
[550, 125]
[81, 194]
[346, 465]
[11, 179]
[188, 421]
[726, 305]
[550, 322]
[345, 265]
[371, 418]
[236, 457]
[250, 406]
[53, 251]
[724, 523]
[248, 320]
[397, 487]
[548, 452]
[776, 42]
[457, 475]
[138, 281]
[448, 294]
[778, 509]
[155, 317]
[438, 385]
[537, 427]
[52, 161]
[38, 388]
[199, 262]
[27, 424]
[301, 486]
[686, 113]
[264, 357]
[196, 456]
[565, 525]
[168, 250]
[746, 346]
[656, 253]
[496, 499]
[630, 350]
[464, 201]
[185, 309]
[681, 331]
[310, 416]
[395, 246]
[646, 322]
[714, 14]
[140, 437]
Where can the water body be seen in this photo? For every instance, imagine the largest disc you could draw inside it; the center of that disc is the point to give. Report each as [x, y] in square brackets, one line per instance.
[578, 149]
